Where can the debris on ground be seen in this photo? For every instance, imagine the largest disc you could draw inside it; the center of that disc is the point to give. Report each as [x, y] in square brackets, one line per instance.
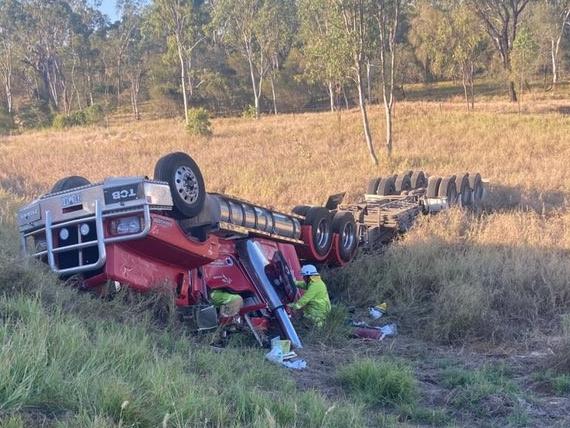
[281, 353]
[365, 331]
[377, 311]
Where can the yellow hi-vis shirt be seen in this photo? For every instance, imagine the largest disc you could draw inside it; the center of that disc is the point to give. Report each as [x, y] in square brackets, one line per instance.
[315, 301]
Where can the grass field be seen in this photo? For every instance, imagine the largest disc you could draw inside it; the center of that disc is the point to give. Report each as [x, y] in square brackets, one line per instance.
[495, 284]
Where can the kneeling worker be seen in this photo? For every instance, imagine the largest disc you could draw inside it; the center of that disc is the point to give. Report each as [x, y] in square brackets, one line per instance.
[315, 303]
[229, 304]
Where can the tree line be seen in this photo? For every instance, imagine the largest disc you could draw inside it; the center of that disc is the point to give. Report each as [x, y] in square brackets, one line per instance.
[60, 58]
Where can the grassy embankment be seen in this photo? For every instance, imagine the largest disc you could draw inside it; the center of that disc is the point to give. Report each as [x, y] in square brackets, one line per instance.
[499, 277]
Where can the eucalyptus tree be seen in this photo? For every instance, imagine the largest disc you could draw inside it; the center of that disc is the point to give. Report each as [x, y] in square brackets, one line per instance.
[10, 19]
[325, 45]
[179, 21]
[388, 16]
[550, 20]
[359, 26]
[501, 19]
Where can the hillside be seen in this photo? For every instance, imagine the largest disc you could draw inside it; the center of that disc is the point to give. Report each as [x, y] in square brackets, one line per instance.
[481, 300]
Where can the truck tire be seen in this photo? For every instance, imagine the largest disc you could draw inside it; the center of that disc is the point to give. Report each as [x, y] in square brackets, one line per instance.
[463, 189]
[372, 186]
[387, 186]
[301, 210]
[345, 226]
[476, 189]
[186, 183]
[319, 219]
[448, 189]
[419, 180]
[433, 187]
[68, 183]
[403, 183]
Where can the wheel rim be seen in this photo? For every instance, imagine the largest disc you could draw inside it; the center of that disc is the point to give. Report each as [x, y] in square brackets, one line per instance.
[186, 184]
[348, 236]
[322, 233]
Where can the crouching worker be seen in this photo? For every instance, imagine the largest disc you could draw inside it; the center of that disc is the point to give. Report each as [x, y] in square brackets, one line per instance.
[229, 304]
[315, 302]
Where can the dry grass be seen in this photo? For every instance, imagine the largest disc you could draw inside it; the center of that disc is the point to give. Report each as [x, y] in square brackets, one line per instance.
[459, 276]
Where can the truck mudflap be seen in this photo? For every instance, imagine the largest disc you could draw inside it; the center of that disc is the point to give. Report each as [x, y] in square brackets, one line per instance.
[255, 262]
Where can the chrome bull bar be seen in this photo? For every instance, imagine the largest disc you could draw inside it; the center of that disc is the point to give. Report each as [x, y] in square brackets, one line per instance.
[52, 248]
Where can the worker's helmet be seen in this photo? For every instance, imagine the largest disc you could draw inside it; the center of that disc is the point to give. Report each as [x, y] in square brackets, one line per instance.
[309, 270]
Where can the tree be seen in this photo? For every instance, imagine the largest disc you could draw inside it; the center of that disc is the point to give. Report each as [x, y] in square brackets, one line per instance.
[501, 19]
[388, 19]
[357, 17]
[325, 45]
[524, 53]
[177, 18]
[243, 26]
[551, 19]
[10, 17]
[275, 29]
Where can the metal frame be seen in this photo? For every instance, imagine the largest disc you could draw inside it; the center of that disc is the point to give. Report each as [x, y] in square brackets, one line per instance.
[100, 242]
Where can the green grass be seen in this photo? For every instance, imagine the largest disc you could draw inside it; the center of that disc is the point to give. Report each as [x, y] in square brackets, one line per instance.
[72, 360]
[559, 383]
[380, 382]
[485, 392]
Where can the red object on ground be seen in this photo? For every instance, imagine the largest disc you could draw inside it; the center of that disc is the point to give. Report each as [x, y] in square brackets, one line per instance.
[368, 333]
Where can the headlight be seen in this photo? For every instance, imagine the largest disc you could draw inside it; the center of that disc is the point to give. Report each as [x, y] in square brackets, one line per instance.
[126, 226]
[63, 234]
[84, 229]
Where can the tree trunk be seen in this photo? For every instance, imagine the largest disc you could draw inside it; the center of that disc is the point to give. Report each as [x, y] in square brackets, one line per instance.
[331, 95]
[365, 124]
[472, 86]
[464, 81]
[368, 82]
[273, 95]
[512, 91]
[388, 114]
[254, 84]
[554, 64]
[182, 77]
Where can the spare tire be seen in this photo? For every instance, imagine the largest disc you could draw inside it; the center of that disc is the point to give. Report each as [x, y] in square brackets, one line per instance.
[301, 210]
[185, 181]
[372, 186]
[319, 219]
[387, 186]
[448, 189]
[403, 183]
[345, 226]
[463, 189]
[419, 180]
[433, 187]
[68, 183]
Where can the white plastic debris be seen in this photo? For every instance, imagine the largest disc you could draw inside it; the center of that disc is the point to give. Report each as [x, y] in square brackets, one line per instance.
[295, 365]
[375, 313]
[388, 330]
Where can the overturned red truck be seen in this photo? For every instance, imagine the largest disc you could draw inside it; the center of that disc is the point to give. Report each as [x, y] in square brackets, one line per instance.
[141, 233]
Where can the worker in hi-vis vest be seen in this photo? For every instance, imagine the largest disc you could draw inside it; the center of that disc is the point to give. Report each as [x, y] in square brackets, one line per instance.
[315, 302]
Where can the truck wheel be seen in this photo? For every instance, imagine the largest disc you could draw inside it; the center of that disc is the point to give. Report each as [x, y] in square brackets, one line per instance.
[476, 189]
[68, 183]
[319, 219]
[433, 187]
[372, 186]
[403, 183]
[464, 189]
[301, 210]
[345, 225]
[448, 189]
[186, 183]
[387, 186]
[419, 180]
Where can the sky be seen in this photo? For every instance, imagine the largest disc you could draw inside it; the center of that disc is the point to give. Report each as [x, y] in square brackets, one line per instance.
[108, 8]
